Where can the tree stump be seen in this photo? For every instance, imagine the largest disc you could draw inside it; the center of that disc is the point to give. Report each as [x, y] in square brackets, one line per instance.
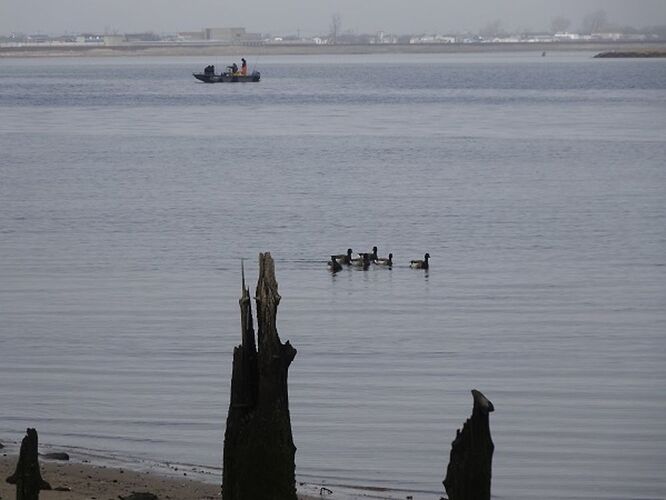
[470, 466]
[259, 449]
[27, 477]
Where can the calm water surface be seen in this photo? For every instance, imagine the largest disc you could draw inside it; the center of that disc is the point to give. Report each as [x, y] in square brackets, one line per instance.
[129, 193]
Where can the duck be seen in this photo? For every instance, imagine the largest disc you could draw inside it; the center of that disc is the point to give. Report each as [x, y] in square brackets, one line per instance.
[420, 264]
[344, 258]
[362, 261]
[373, 254]
[333, 264]
[385, 261]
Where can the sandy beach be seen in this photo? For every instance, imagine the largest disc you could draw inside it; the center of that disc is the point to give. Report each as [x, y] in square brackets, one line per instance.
[87, 481]
[78, 481]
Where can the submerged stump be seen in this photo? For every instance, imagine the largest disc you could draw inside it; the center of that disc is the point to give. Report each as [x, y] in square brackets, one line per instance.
[259, 449]
[27, 477]
[470, 466]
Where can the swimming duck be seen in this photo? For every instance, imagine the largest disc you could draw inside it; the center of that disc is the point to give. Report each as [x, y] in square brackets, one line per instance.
[373, 254]
[385, 261]
[344, 258]
[334, 265]
[420, 264]
[362, 261]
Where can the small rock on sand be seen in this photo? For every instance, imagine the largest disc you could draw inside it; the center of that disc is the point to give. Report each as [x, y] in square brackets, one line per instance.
[139, 496]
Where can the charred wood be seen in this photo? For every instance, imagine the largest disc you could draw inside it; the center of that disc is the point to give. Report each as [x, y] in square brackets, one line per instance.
[27, 477]
[259, 450]
[469, 472]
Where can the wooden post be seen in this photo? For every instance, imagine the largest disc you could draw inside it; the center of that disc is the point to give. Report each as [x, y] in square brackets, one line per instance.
[27, 478]
[470, 467]
[259, 449]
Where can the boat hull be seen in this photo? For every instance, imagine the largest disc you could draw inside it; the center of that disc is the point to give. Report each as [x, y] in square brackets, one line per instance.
[227, 78]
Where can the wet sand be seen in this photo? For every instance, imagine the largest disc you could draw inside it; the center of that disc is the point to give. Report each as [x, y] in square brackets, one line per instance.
[98, 482]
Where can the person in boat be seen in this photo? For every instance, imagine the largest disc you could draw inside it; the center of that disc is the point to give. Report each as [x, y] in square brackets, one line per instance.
[233, 69]
[243, 70]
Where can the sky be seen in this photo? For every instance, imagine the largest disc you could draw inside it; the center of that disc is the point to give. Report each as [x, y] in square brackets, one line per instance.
[313, 16]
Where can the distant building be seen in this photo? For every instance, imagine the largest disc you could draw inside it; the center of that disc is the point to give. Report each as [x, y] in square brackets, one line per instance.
[89, 38]
[383, 38]
[191, 35]
[38, 38]
[65, 39]
[503, 39]
[225, 34]
[615, 37]
[424, 39]
[231, 35]
[142, 37]
[15, 38]
[563, 36]
[114, 39]
[535, 38]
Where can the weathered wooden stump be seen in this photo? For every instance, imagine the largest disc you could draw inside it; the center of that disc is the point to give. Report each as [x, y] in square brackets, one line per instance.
[258, 445]
[470, 466]
[27, 477]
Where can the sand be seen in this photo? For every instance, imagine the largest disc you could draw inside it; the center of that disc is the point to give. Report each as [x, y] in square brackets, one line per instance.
[98, 482]
[87, 481]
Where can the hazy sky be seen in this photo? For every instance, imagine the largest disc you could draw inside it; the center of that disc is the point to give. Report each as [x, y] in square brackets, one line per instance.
[312, 16]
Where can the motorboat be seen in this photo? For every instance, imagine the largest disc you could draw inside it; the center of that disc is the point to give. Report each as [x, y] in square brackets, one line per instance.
[209, 76]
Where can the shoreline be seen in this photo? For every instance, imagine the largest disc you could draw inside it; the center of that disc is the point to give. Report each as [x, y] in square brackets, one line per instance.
[91, 474]
[631, 54]
[83, 480]
[213, 49]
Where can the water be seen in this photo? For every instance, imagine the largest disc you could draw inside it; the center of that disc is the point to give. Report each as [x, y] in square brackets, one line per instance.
[129, 193]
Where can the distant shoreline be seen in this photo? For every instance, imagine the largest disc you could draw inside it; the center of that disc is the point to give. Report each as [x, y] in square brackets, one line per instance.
[635, 53]
[213, 49]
